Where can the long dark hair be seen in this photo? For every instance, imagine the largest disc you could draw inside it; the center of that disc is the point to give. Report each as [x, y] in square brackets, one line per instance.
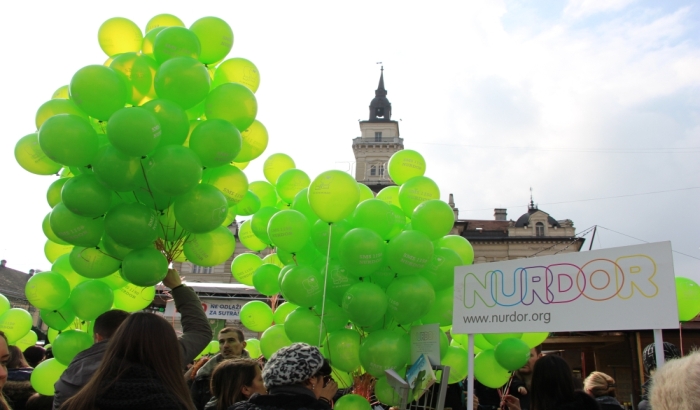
[3, 402]
[229, 378]
[143, 339]
[552, 383]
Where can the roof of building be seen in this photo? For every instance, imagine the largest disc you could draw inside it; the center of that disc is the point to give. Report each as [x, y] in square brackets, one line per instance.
[12, 282]
[524, 219]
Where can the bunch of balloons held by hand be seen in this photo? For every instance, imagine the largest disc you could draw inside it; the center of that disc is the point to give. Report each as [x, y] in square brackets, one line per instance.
[150, 149]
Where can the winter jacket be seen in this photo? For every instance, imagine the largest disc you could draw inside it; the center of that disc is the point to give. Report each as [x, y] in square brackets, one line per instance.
[608, 403]
[17, 393]
[283, 398]
[582, 401]
[196, 336]
[199, 389]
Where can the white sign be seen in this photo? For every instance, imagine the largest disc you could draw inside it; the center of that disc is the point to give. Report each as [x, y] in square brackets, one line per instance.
[214, 308]
[623, 288]
[425, 340]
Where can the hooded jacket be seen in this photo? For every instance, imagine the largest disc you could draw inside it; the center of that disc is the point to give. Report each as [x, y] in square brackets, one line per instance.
[199, 390]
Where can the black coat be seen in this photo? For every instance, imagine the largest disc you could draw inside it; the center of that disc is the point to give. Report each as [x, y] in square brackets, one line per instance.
[284, 398]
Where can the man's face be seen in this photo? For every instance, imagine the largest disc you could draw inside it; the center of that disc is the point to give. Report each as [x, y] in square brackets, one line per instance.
[230, 345]
[527, 369]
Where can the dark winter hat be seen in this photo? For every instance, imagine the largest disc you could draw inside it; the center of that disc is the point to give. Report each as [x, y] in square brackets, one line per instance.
[291, 365]
[649, 355]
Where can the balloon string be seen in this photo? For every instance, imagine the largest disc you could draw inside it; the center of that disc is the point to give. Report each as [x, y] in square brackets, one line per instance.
[325, 284]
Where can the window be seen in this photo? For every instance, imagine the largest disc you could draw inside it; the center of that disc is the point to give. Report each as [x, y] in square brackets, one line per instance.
[381, 170]
[378, 136]
[200, 269]
[539, 229]
[373, 170]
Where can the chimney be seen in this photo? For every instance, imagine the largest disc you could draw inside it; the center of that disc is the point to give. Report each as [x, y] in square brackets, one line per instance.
[451, 203]
[500, 214]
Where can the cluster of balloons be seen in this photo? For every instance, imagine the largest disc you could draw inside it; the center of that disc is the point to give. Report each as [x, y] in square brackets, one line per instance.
[149, 148]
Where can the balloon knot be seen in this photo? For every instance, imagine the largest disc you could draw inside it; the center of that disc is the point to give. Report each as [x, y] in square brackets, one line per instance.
[143, 157]
[89, 166]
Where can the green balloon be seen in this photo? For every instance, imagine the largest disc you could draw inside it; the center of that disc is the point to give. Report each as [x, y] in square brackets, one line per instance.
[303, 325]
[383, 277]
[481, 342]
[289, 230]
[182, 80]
[202, 209]
[230, 180]
[75, 229]
[460, 245]
[487, 370]
[273, 339]
[275, 165]
[93, 263]
[216, 38]
[376, 215]
[409, 252]
[434, 218]
[69, 343]
[63, 267]
[282, 311]
[332, 315]
[302, 286]
[114, 281]
[496, 338]
[237, 70]
[390, 195]
[84, 195]
[338, 281]
[144, 267]
[301, 204]
[68, 140]
[174, 124]
[173, 170]
[91, 299]
[132, 298]
[15, 323]
[54, 107]
[255, 138]
[134, 131]
[29, 156]
[174, 42]
[441, 311]
[440, 270]
[319, 236]
[688, 296]
[410, 298]
[45, 375]
[4, 304]
[111, 247]
[404, 165]
[53, 194]
[116, 170]
[333, 195]
[29, 339]
[230, 215]
[361, 252]
[98, 91]
[343, 349]
[265, 192]
[385, 393]
[249, 239]
[352, 402]
[456, 358]
[534, 339]
[252, 346]
[244, 266]
[249, 204]
[416, 191]
[261, 221]
[290, 183]
[308, 256]
[273, 259]
[234, 103]
[211, 248]
[47, 290]
[512, 354]
[216, 142]
[365, 303]
[256, 316]
[53, 251]
[137, 71]
[162, 21]
[383, 350]
[265, 279]
[214, 347]
[132, 225]
[365, 192]
[46, 228]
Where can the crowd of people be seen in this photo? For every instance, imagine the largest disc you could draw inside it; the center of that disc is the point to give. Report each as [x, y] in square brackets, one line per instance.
[138, 362]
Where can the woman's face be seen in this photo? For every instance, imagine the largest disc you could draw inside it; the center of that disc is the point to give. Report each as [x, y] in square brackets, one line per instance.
[257, 386]
[4, 358]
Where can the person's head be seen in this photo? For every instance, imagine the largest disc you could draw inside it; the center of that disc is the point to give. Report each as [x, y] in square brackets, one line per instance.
[552, 383]
[142, 339]
[599, 384]
[34, 355]
[236, 380]
[4, 359]
[649, 356]
[298, 364]
[535, 354]
[231, 342]
[108, 323]
[16, 358]
[675, 384]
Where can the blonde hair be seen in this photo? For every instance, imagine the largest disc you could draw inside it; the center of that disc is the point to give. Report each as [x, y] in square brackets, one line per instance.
[675, 384]
[599, 384]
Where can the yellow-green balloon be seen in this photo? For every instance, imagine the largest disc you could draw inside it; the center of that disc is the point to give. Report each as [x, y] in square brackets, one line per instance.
[282, 311]
[15, 323]
[534, 339]
[405, 165]
[75, 229]
[216, 142]
[216, 38]
[343, 349]
[132, 298]
[273, 339]
[144, 267]
[54, 107]
[390, 195]
[289, 230]
[69, 343]
[365, 303]
[255, 139]
[202, 209]
[63, 266]
[211, 248]
[68, 140]
[409, 252]
[688, 296]
[265, 192]
[231, 181]
[174, 124]
[30, 156]
[138, 72]
[290, 182]
[352, 402]
[61, 93]
[4, 304]
[460, 245]
[173, 170]
[29, 339]
[456, 358]
[119, 35]
[275, 165]
[301, 285]
[53, 194]
[249, 204]
[243, 267]
[134, 131]
[383, 350]
[234, 103]
[98, 91]
[416, 191]
[487, 370]
[45, 375]
[174, 42]
[256, 316]
[237, 70]
[248, 238]
[47, 290]
[183, 80]
[265, 279]
[333, 195]
[434, 218]
[365, 192]
[91, 299]
[53, 250]
[253, 347]
[163, 20]
[85, 195]
[59, 318]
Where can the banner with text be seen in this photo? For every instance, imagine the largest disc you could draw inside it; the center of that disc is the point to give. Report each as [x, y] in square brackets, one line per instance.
[624, 288]
[214, 308]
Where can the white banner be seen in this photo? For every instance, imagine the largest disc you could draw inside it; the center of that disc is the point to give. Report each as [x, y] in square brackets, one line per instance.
[625, 288]
[214, 308]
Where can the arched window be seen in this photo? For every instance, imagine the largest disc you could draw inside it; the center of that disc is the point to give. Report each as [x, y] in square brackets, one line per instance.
[539, 229]
[373, 170]
[381, 170]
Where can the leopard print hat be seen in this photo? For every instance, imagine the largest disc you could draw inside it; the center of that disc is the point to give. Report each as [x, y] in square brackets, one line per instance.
[291, 365]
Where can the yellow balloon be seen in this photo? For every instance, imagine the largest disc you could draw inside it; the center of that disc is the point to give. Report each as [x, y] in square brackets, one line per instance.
[29, 156]
[275, 165]
[163, 20]
[61, 93]
[119, 35]
[237, 70]
[148, 40]
[52, 250]
[255, 140]
[241, 165]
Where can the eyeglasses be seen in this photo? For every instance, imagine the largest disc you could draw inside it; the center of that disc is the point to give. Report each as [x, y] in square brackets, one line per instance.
[327, 379]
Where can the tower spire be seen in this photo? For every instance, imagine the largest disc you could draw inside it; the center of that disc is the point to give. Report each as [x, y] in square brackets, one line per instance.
[380, 88]
[531, 206]
[380, 107]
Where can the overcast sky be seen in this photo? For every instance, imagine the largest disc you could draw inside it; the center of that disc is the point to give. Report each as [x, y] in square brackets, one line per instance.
[595, 104]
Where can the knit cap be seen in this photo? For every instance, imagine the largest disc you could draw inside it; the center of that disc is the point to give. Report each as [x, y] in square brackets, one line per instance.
[291, 365]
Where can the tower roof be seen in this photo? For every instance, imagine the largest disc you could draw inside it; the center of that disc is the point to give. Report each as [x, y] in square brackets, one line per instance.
[380, 107]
